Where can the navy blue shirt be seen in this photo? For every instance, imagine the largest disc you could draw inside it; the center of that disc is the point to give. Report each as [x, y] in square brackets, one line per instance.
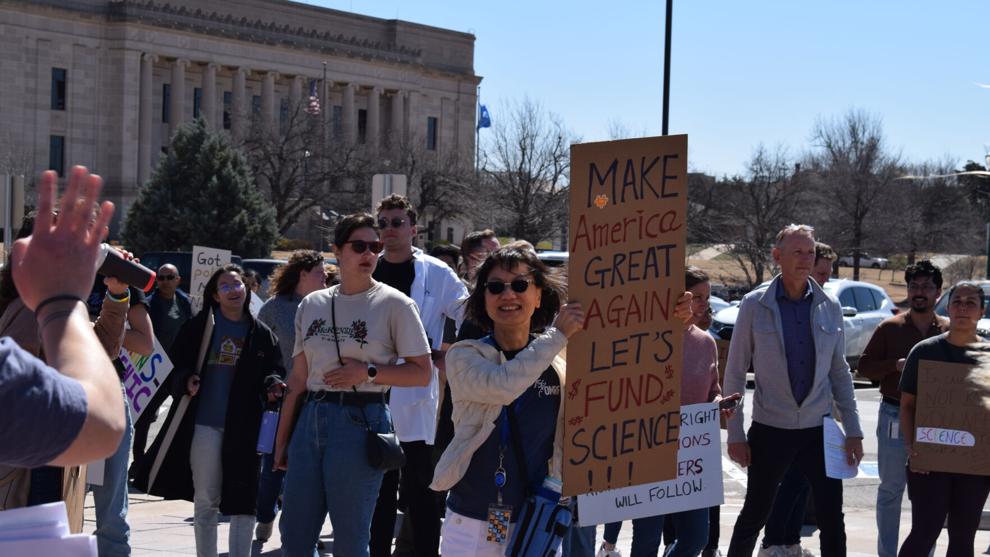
[536, 418]
[799, 342]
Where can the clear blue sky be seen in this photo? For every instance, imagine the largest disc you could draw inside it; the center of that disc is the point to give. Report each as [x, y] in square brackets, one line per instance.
[742, 72]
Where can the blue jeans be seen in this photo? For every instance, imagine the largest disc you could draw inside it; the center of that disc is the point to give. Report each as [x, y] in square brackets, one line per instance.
[892, 462]
[329, 472]
[110, 499]
[269, 488]
[579, 542]
[787, 514]
[691, 527]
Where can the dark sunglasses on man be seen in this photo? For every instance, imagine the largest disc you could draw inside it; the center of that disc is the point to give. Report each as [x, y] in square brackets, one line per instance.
[359, 246]
[518, 286]
[396, 222]
[162, 278]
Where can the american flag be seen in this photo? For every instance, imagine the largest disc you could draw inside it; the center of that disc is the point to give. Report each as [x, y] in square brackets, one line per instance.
[314, 99]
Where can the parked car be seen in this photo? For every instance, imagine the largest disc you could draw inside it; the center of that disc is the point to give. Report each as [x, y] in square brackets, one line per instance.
[983, 327]
[553, 258]
[717, 304]
[864, 306]
[865, 260]
[182, 261]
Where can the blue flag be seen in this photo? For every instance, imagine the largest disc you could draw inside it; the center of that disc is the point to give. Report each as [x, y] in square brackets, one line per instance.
[484, 119]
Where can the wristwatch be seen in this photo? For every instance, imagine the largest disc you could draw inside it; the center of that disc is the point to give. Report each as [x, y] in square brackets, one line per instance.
[372, 372]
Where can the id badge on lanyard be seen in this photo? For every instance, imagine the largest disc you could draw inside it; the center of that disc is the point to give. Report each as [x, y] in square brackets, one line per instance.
[500, 514]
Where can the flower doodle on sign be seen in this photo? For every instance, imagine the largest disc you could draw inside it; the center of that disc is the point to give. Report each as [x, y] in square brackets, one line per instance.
[669, 370]
[576, 420]
[359, 331]
[667, 396]
[315, 327]
[573, 391]
[601, 201]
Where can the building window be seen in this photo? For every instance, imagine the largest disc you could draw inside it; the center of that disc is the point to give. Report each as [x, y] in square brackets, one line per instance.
[431, 134]
[338, 121]
[228, 101]
[166, 102]
[450, 235]
[256, 106]
[362, 125]
[58, 88]
[56, 153]
[197, 102]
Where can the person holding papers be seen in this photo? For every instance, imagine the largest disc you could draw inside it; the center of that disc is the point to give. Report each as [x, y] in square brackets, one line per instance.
[790, 333]
[936, 496]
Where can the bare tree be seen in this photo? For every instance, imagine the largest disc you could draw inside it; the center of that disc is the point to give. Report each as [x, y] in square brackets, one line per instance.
[526, 166]
[854, 171]
[297, 166]
[753, 209]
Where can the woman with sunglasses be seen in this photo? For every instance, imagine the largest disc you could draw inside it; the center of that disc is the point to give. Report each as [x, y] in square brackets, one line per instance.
[518, 367]
[349, 340]
[227, 366]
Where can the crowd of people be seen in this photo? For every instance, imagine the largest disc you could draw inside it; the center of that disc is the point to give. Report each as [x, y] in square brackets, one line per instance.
[432, 383]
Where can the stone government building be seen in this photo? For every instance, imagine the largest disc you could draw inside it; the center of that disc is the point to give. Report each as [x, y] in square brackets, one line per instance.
[105, 83]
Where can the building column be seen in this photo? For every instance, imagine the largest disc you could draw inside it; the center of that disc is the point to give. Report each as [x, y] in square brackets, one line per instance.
[397, 116]
[239, 105]
[268, 99]
[295, 91]
[209, 105]
[417, 129]
[374, 118]
[350, 115]
[145, 117]
[177, 106]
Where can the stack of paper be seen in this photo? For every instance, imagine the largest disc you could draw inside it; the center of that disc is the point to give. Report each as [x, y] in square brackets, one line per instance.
[42, 530]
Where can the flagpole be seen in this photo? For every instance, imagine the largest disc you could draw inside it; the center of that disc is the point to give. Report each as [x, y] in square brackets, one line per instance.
[477, 135]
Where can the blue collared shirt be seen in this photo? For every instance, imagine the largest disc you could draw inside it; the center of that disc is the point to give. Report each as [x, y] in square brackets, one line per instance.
[799, 342]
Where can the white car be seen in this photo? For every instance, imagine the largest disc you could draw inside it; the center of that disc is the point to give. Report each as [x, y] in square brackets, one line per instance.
[983, 327]
[864, 306]
[865, 260]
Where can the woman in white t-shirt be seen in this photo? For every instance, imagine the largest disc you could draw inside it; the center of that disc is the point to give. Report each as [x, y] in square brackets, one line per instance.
[321, 439]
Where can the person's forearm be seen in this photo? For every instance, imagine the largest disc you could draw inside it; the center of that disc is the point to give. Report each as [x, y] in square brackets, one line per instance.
[109, 325]
[72, 348]
[408, 374]
[874, 369]
[138, 338]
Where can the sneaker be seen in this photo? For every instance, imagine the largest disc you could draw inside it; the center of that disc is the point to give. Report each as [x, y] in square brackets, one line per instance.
[263, 531]
[608, 552]
[773, 551]
[711, 553]
[796, 551]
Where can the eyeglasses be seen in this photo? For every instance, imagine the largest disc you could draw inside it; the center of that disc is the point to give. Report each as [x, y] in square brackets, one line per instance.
[166, 277]
[922, 287]
[225, 288]
[518, 286]
[396, 223]
[360, 245]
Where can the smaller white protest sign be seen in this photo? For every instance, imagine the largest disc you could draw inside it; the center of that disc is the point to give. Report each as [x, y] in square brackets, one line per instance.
[143, 376]
[204, 262]
[698, 484]
[836, 465]
[942, 436]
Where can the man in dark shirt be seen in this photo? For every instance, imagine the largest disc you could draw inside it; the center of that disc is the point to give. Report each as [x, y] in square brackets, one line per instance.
[883, 361]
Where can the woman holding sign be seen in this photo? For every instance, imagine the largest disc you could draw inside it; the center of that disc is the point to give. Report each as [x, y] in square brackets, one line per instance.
[699, 383]
[937, 495]
[506, 392]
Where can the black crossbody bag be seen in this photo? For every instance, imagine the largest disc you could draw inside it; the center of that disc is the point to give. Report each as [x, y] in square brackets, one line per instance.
[384, 451]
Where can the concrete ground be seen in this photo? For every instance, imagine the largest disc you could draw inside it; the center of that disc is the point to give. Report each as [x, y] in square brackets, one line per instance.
[165, 527]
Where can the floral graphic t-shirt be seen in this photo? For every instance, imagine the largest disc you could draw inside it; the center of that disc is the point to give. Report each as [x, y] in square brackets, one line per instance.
[379, 325]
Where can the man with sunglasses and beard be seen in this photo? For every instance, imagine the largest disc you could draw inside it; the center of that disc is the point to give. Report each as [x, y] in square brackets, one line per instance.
[437, 291]
[883, 360]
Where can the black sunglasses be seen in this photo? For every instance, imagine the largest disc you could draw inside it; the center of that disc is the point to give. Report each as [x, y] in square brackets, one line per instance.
[518, 286]
[167, 277]
[396, 223]
[360, 245]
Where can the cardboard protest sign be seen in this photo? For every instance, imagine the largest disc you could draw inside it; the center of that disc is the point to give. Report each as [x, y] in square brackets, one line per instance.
[204, 262]
[143, 376]
[698, 484]
[952, 418]
[627, 236]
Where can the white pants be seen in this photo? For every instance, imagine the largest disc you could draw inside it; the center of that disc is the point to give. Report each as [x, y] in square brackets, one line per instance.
[207, 471]
[461, 536]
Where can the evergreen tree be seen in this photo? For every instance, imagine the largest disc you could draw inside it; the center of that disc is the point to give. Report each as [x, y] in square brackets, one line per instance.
[201, 193]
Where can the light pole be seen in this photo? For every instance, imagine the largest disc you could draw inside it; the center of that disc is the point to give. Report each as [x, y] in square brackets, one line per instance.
[987, 273]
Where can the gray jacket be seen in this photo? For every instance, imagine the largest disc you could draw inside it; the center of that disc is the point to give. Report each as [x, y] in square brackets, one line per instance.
[758, 340]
